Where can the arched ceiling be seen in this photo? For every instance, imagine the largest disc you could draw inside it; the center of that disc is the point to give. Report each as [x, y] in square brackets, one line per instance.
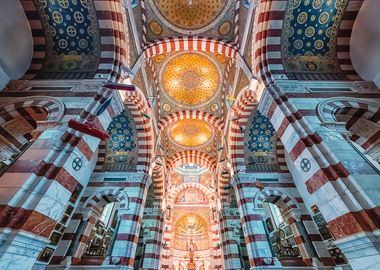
[170, 18]
[72, 39]
[309, 36]
[190, 133]
[121, 149]
[190, 79]
[260, 142]
[190, 14]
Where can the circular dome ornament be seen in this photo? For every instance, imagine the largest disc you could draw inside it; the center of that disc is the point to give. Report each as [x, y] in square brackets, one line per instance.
[190, 17]
[190, 133]
[190, 80]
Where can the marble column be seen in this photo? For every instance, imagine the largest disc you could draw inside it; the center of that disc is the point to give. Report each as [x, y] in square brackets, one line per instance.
[124, 248]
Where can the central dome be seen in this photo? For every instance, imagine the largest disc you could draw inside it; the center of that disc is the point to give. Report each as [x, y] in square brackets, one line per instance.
[190, 14]
[190, 79]
[190, 132]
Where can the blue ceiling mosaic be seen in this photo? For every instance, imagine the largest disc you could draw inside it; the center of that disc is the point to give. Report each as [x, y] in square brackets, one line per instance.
[72, 36]
[260, 144]
[121, 148]
[310, 34]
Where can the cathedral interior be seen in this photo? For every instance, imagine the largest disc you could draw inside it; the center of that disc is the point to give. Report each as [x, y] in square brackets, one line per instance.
[189, 134]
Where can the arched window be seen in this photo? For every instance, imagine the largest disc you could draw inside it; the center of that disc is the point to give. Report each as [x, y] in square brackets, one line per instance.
[276, 214]
[102, 234]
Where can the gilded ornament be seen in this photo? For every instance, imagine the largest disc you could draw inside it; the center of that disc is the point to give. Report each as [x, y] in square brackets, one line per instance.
[155, 27]
[190, 79]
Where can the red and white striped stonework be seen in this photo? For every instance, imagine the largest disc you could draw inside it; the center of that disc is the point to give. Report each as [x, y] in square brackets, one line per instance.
[212, 119]
[267, 59]
[292, 208]
[39, 41]
[242, 109]
[306, 139]
[125, 244]
[153, 221]
[191, 156]
[138, 107]
[45, 168]
[189, 43]
[174, 192]
[112, 39]
[36, 112]
[229, 221]
[158, 177]
[344, 36]
[89, 212]
[236, 22]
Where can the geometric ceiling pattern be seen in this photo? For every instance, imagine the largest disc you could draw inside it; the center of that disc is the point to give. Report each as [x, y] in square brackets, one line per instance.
[190, 79]
[170, 18]
[190, 15]
[191, 133]
[121, 148]
[72, 38]
[260, 142]
[309, 35]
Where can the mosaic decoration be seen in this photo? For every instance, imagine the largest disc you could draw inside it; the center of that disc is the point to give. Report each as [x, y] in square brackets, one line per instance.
[225, 28]
[191, 232]
[190, 79]
[309, 35]
[190, 133]
[190, 15]
[72, 38]
[121, 149]
[260, 145]
[155, 27]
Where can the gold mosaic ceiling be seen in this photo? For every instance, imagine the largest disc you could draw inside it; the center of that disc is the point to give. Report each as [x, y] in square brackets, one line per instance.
[191, 224]
[190, 132]
[190, 79]
[190, 14]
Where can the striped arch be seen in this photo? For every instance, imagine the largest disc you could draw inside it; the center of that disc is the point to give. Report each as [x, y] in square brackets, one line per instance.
[359, 108]
[213, 120]
[158, 177]
[349, 111]
[140, 111]
[267, 56]
[25, 106]
[284, 201]
[112, 35]
[244, 105]
[190, 43]
[173, 193]
[104, 197]
[191, 156]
